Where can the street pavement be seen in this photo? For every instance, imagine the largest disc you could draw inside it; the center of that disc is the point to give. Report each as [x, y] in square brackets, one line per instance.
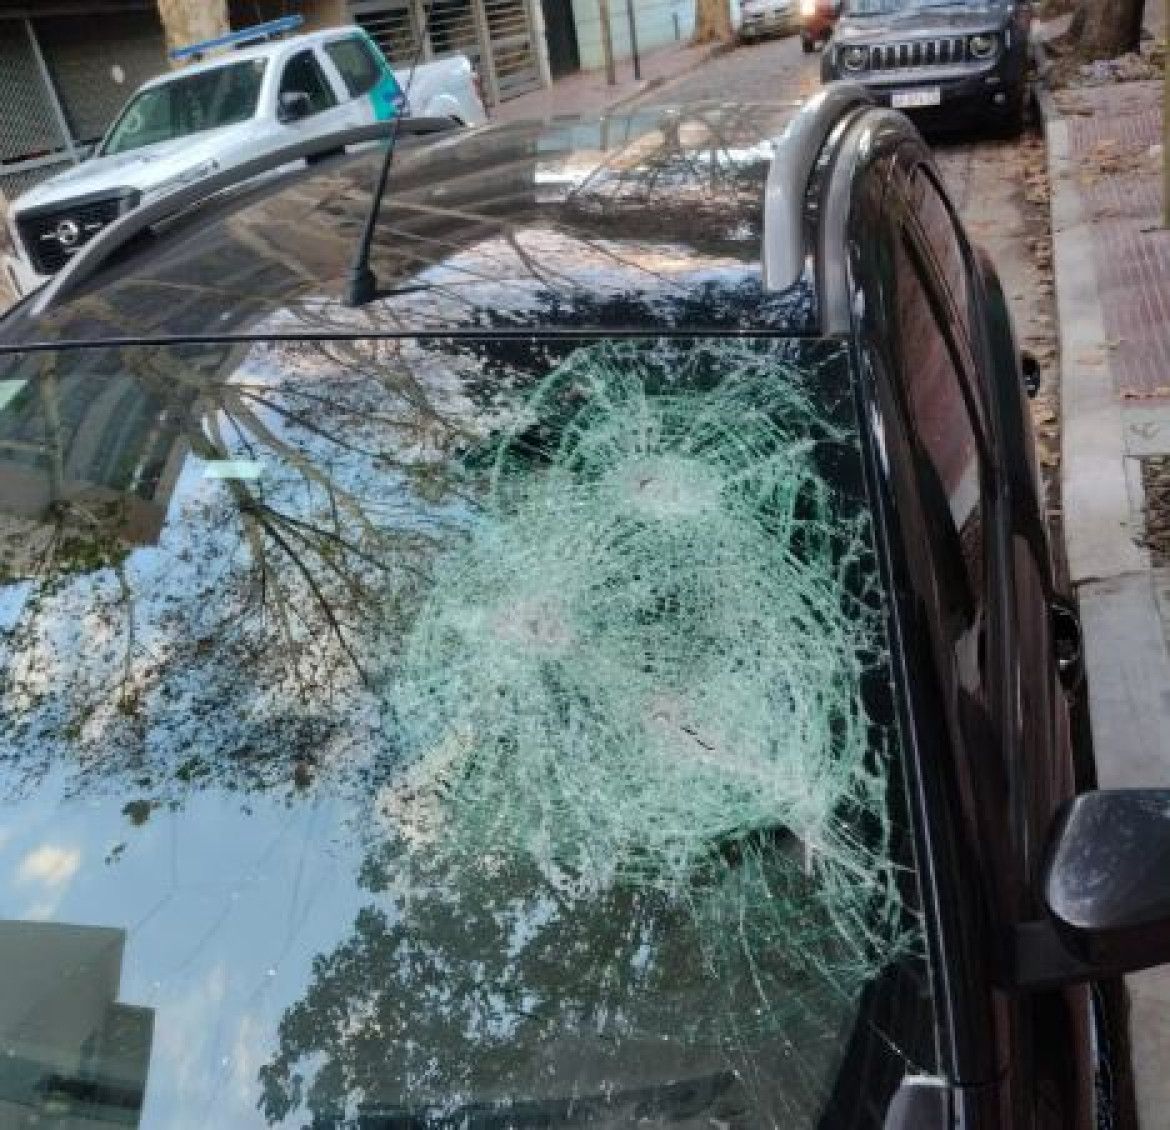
[773, 70]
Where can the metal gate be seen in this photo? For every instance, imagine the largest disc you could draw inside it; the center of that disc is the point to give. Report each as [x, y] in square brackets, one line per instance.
[496, 35]
[509, 27]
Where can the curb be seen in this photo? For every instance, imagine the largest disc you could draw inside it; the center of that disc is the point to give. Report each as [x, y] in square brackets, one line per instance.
[1101, 507]
[1043, 96]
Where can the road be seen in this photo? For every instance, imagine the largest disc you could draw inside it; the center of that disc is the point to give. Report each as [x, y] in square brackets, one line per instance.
[999, 187]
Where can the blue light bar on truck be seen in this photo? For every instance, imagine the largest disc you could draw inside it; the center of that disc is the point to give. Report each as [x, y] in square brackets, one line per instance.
[239, 38]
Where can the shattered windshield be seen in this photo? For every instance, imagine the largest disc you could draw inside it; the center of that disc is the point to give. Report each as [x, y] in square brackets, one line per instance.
[470, 731]
[181, 106]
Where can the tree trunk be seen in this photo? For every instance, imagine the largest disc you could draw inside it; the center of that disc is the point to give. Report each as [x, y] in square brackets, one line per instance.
[712, 21]
[192, 21]
[1109, 27]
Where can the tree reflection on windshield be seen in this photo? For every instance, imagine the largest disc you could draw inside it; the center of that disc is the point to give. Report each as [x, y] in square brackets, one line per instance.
[486, 989]
[240, 631]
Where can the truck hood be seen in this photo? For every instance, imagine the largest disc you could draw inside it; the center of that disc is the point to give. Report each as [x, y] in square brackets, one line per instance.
[937, 21]
[143, 169]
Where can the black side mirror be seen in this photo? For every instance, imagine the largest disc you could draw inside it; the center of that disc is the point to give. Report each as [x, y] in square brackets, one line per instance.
[1068, 644]
[294, 105]
[1107, 879]
[1030, 368]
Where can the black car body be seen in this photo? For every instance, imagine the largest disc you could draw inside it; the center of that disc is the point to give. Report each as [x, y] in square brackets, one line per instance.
[953, 64]
[614, 676]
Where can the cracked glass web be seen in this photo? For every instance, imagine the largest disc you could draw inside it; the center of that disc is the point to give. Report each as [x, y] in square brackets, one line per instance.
[645, 664]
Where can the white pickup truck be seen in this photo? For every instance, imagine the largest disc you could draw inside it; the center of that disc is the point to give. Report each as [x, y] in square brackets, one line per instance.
[215, 114]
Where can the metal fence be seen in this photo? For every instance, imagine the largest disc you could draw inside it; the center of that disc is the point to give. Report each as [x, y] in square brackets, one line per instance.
[33, 141]
[61, 85]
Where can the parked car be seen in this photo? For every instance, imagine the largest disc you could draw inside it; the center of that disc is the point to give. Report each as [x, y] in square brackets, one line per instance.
[962, 63]
[219, 113]
[817, 20]
[607, 668]
[760, 18]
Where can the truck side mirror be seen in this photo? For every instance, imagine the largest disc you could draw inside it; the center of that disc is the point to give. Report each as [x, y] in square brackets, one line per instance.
[1107, 879]
[294, 105]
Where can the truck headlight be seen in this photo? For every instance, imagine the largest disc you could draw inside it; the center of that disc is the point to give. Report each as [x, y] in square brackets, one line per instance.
[981, 46]
[854, 58]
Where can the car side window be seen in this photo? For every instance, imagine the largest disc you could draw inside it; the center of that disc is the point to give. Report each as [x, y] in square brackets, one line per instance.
[952, 465]
[355, 62]
[303, 74]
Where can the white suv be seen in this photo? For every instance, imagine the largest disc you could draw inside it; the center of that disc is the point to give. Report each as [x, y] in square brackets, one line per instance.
[183, 126]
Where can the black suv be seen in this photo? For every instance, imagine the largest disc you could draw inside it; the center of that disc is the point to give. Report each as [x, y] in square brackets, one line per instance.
[951, 63]
[593, 659]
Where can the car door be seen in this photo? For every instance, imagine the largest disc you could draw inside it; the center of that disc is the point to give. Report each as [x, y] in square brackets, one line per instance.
[1009, 711]
[371, 91]
[302, 73]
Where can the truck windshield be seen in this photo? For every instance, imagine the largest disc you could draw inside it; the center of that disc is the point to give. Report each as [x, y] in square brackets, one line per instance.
[187, 105]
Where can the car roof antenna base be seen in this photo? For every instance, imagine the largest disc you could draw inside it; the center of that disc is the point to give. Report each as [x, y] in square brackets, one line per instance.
[362, 284]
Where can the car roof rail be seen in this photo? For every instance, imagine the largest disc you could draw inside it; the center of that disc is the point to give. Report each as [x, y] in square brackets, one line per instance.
[795, 154]
[109, 240]
[255, 34]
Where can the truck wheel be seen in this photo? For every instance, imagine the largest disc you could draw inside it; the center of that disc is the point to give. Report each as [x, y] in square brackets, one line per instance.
[807, 44]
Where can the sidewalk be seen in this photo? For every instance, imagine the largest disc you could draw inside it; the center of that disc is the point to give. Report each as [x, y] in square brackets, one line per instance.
[588, 93]
[1112, 263]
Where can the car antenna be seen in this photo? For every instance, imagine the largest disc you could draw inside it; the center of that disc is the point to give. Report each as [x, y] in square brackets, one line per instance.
[362, 284]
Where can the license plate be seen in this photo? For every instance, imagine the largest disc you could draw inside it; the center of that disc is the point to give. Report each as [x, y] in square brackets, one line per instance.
[913, 99]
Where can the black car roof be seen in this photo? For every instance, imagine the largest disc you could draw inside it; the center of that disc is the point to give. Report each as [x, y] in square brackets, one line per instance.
[650, 220]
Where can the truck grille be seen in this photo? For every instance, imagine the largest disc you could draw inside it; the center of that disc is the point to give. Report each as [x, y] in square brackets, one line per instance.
[917, 53]
[51, 239]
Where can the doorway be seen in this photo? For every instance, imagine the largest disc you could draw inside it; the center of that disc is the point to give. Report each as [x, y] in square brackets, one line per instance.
[564, 58]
